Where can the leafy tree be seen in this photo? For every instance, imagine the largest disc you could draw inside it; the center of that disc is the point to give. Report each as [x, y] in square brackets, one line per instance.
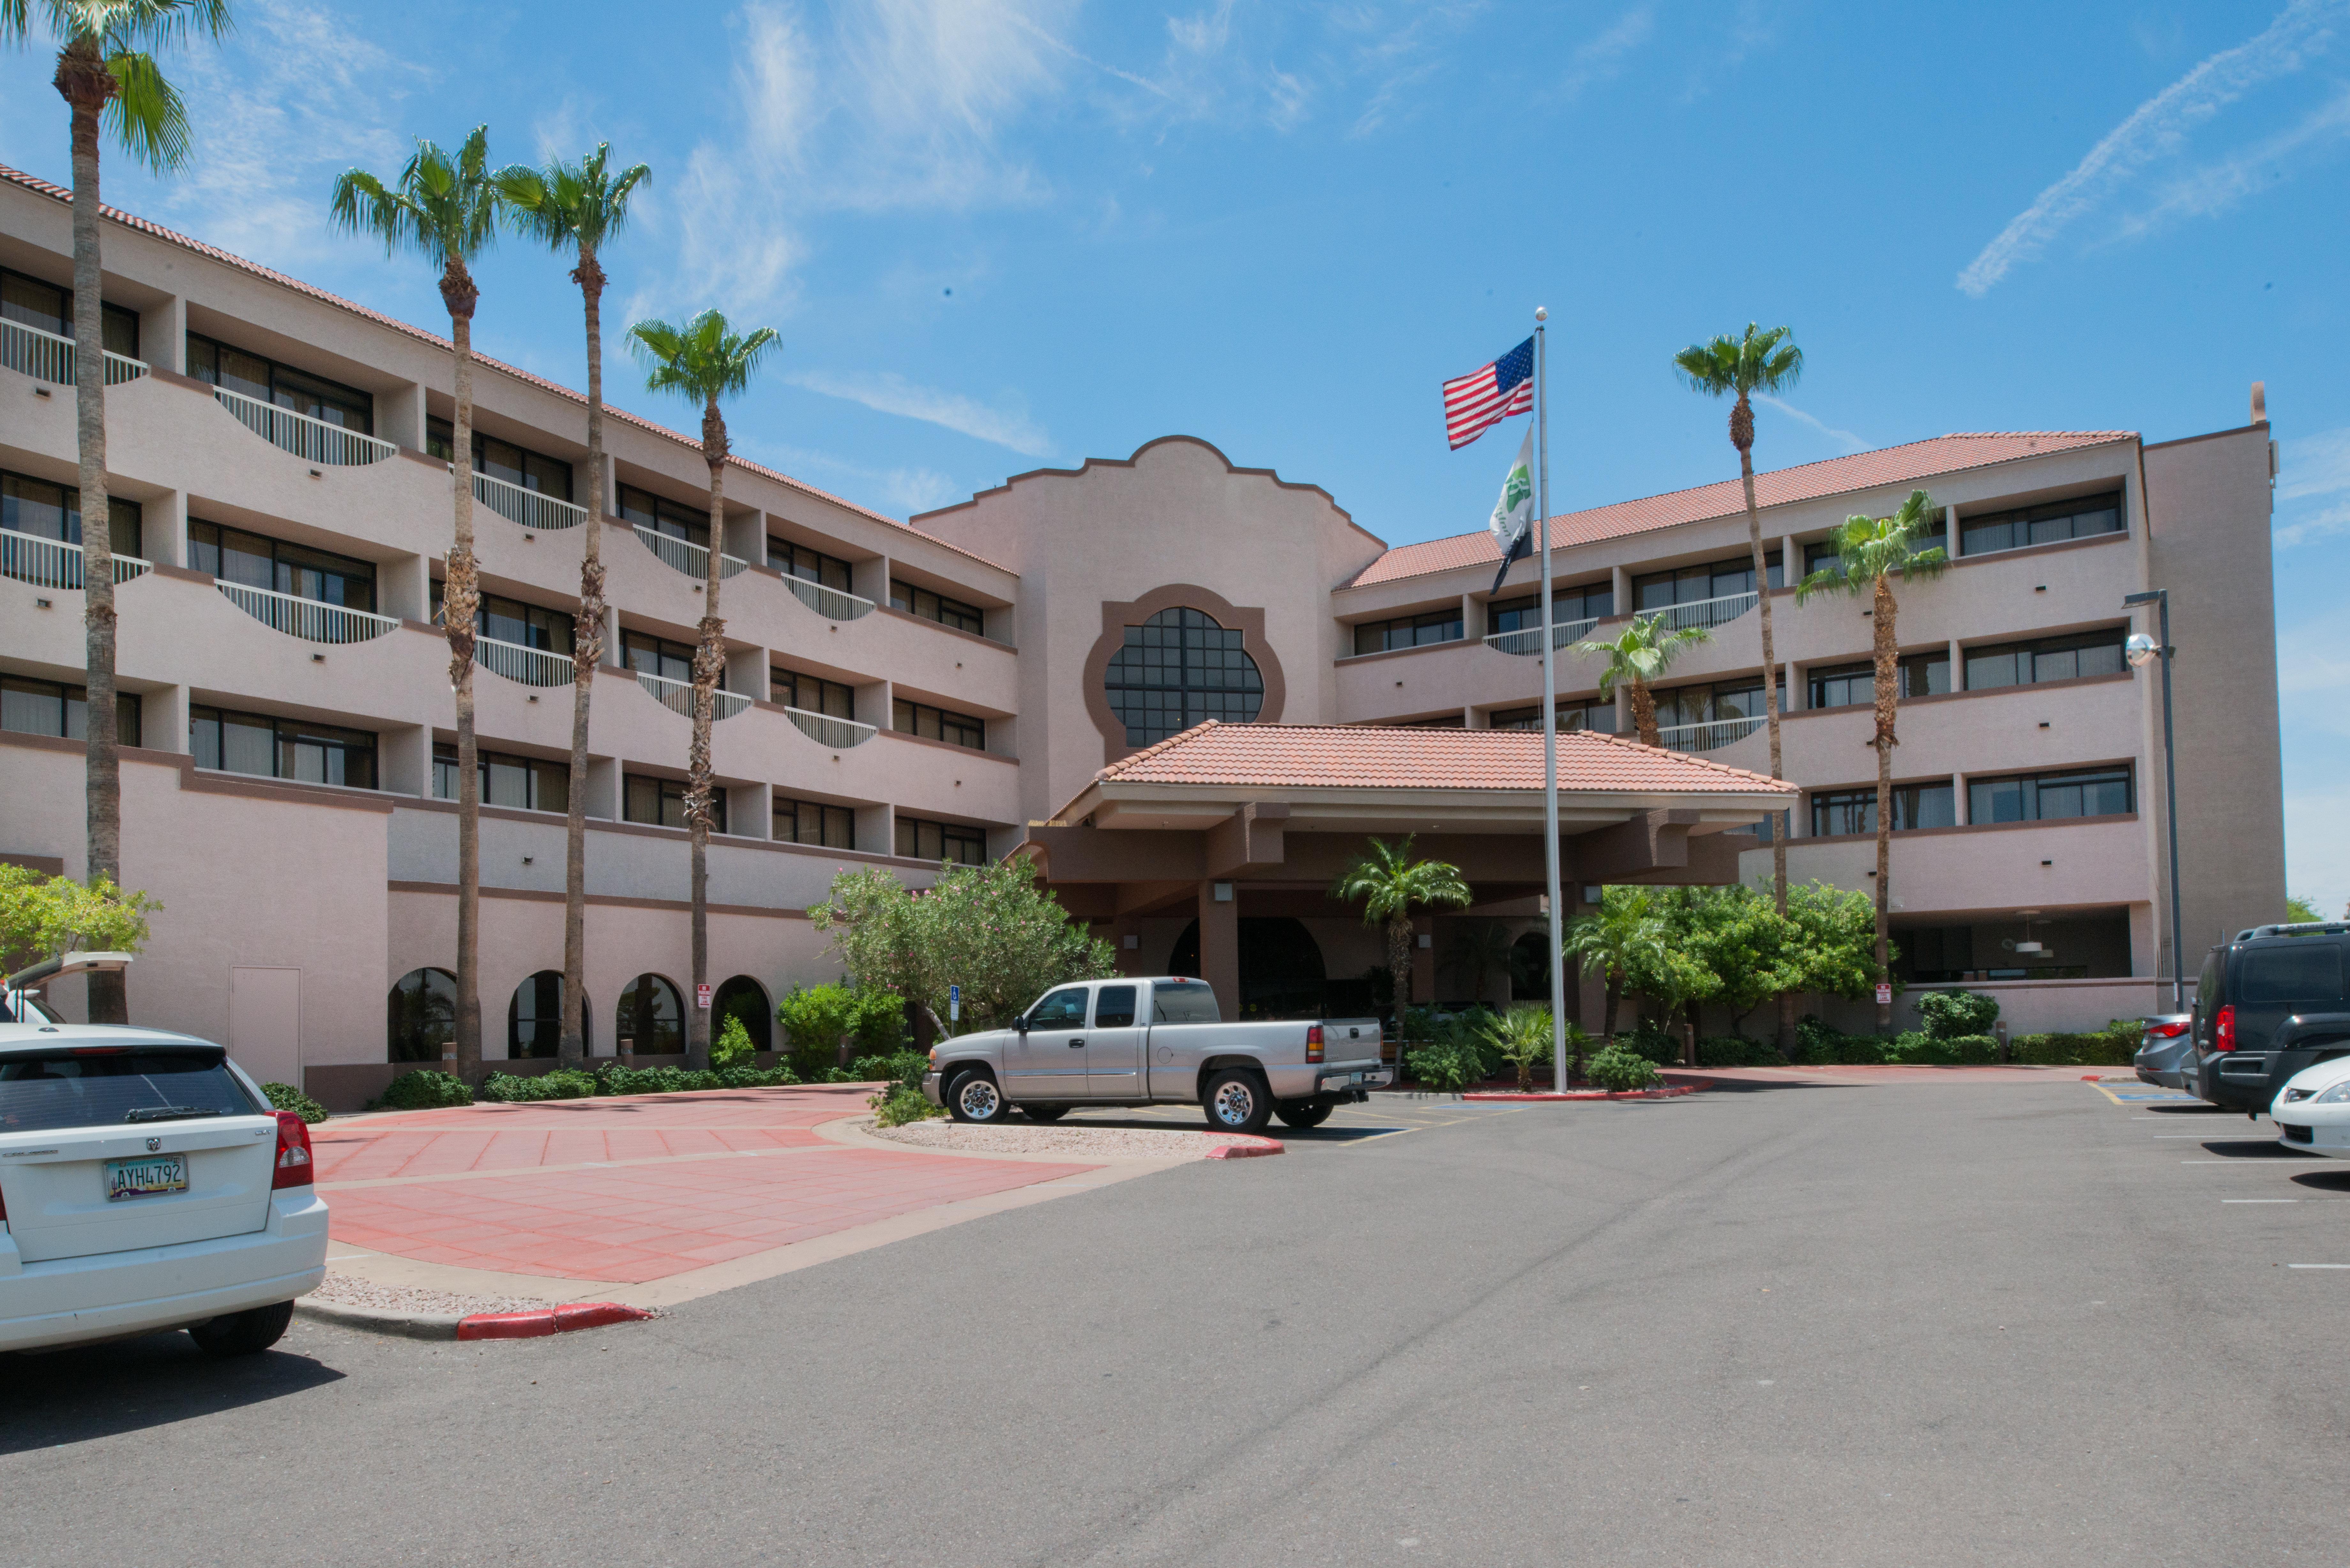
[1617, 940]
[705, 360]
[43, 917]
[108, 78]
[445, 208]
[1635, 656]
[1738, 938]
[2300, 911]
[1870, 552]
[1832, 935]
[984, 927]
[1388, 882]
[575, 208]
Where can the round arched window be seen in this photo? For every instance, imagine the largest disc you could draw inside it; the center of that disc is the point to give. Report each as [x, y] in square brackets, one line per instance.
[534, 1018]
[651, 1017]
[1177, 669]
[421, 1015]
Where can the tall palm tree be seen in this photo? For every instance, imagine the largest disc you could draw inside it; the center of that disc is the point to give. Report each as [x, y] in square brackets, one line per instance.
[1766, 362]
[104, 73]
[704, 360]
[445, 208]
[1870, 552]
[1636, 656]
[1388, 882]
[576, 207]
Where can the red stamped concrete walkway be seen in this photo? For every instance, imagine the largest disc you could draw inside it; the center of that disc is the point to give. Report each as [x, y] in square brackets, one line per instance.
[630, 1190]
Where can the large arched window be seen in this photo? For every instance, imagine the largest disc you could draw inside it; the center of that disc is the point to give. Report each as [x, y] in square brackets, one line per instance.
[651, 1018]
[746, 999]
[420, 1016]
[534, 1018]
[1177, 669]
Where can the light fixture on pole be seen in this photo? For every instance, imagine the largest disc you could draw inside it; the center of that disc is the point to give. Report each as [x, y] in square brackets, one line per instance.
[2142, 651]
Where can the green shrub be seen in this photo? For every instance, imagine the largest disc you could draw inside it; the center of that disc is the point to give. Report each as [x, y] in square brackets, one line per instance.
[1737, 1051]
[2103, 1049]
[1651, 1042]
[565, 1083]
[732, 1047]
[814, 1018]
[836, 1075]
[897, 1104]
[1445, 1066]
[617, 1080]
[1948, 1014]
[424, 1089]
[287, 1097]
[1621, 1071]
[906, 1067]
[750, 1077]
[1976, 1049]
[1918, 1049]
[878, 1022]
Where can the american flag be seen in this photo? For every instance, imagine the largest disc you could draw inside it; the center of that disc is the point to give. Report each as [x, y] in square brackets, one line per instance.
[1489, 394]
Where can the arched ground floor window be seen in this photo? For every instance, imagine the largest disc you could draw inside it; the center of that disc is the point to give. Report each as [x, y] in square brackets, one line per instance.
[535, 1019]
[743, 998]
[651, 1019]
[421, 1015]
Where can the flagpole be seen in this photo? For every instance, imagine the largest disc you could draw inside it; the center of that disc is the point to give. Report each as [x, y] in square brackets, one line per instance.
[1550, 708]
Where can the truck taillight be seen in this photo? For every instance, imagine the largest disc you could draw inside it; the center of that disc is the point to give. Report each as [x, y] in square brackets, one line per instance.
[293, 1152]
[2223, 1029]
[1313, 1043]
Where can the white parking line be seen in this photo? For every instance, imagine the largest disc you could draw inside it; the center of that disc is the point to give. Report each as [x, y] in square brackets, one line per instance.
[2260, 1201]
[2318, 1266]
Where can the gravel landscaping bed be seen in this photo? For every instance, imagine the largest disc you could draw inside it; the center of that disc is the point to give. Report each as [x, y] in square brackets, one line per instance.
[1078, 1142]
[348, 1289]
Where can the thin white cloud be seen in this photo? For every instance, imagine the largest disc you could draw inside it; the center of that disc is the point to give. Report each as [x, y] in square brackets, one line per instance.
[2216, 187]
[904, 491]
[1006, 425]
[2313, 488]
[1602, 58]
[2155, 128]
[1850, 442]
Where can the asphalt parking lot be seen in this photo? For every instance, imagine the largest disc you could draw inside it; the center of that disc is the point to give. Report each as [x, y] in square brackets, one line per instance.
[1917, 1323]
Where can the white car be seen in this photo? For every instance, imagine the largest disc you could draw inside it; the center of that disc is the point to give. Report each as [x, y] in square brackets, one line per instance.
[146, 1183]
[2313, 1110]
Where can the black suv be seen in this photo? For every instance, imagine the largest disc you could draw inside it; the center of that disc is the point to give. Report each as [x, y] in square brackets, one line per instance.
[2273, 1002]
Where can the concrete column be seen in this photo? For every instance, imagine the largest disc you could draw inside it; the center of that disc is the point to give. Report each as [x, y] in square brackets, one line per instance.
[612, 655]
[746, 537]
[604, 788]
[163, 720]
[1473, 627]
[399, 414]
[404, 761]
[163, 334]
[404, 587]
[1791, 559]
[870, 579]
[1958, 666]
[1423, 959]
[1623, 590]
[1950, 530]
[1219, 944]
[163, 529]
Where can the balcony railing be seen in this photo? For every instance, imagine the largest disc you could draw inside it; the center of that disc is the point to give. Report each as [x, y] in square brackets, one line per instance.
[678, 696]
[531, 508]
[312, 440]
[528, 666]
[833, 604]
[692, 559]
[53, 563]
[1701, 612]
[827, 730]
[308, 619]
[1707, 737]
[46, 357]
[1526, 641]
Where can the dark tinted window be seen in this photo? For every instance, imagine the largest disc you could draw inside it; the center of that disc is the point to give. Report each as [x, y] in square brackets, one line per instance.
[1184, 1002]
[2293, 974]
[1409, 631]
[2091, 515]
[1114, 1007]
[65, 1088]
[1591, 601]
[1062, 1010]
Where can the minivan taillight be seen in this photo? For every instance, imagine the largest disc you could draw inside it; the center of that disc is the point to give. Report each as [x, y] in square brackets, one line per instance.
[293, 1152]
[2223, 1029]
[1313, 1043]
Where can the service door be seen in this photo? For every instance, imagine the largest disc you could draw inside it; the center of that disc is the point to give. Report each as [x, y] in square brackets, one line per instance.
[1047, 1063]
[1114, 1046]
[264, 1023]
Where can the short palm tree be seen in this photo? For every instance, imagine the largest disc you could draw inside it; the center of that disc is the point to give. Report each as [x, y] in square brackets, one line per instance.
[445, 208]
[1523, 1037]
[106, 75]
[1870, 552]
[1635, 656]
[576, 207]
[1621, 937]
[1388, 883]
[705, 360]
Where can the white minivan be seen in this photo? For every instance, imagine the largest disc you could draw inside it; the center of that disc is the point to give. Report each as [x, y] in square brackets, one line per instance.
[146, 1183]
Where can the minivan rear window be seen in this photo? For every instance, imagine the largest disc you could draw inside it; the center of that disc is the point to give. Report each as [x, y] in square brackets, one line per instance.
[2290, 974]
[42, 1091]
[1184, 1002]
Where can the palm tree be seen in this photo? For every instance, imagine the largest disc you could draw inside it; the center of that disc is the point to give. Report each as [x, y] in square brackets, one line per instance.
[1481, 947]
[705, 360]
[104, 72]
[1635, 656]
[1766, 362]
[1388, 882]
[445, 209]
[1622, 935]
[577, 207]
[1870, 552]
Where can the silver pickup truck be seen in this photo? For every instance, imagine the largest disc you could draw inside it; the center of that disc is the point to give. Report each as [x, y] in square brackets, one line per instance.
[1131, 1041]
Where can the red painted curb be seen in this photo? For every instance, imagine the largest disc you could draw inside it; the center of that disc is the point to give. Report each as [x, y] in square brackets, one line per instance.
[1253, 1149]
[1670, 1091]
[552, 1320]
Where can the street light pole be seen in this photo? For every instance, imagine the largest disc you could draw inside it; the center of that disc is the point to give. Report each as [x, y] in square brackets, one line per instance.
[2140, 653]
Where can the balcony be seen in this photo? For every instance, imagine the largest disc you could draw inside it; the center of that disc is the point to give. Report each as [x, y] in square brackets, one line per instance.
[531, 508]
[678, 696]
[310, 620]
[833, 604]
[1707, 737]
[524, 666]
[53, 564]
[1701, 612]
[827, 730]
[46, 357]
[683, 556]
[311, 439]
[1526, 641]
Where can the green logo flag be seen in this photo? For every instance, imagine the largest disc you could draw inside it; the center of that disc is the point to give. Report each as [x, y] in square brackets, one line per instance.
[1513, 525]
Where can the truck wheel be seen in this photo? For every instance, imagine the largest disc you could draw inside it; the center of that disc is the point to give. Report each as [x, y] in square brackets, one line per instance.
[973, 1097]
[1044, 1113]
[1302, 1113]
[1237, 1102]
[242, 1333]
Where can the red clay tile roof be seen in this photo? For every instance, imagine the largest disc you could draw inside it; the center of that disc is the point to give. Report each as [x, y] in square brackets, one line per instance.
[39, 186]
[1331, 756]
[1905, 464]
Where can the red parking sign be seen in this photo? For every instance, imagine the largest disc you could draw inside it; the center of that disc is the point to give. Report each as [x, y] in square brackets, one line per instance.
[1884, 995]
[701, 997]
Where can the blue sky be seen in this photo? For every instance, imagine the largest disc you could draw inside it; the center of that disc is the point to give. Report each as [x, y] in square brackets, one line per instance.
[998, 233]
